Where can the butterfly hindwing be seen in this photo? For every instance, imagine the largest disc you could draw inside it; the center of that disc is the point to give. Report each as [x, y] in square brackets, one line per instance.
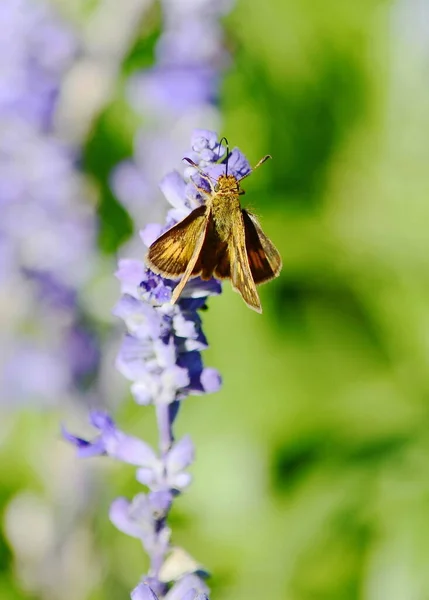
[223, 267]
[264, 260]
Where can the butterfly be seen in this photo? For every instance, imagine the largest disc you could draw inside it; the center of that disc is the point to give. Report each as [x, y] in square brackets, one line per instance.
[218, 239]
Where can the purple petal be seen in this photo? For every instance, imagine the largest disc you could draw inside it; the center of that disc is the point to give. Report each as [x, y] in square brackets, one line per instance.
[197, 288]
[154, 289]
[174, 189]
[145, 476]
[134, 356]
[101, 420]
[150, 233]
[165, 353]
[186, 584]
[143, 592]
[157, 586]
[140, 317]
[190, 594]
[162, 293]
[130, 273]
[181, 455]
[238, 164]
[215, 171]
[119, 445]
[160, 503]
[119, 515]
[131, 450]
[173, 379]
[145, 391]
[193, 363]
[134, 518]
[179, 481]
[211, 380]
[129, 184]
[85, 449]
[104, 423]
[186, 326]
[203, 138]
[175, 89]
[176, 214]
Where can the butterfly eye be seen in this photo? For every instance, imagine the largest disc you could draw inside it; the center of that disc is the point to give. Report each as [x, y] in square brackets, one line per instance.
[216, 187]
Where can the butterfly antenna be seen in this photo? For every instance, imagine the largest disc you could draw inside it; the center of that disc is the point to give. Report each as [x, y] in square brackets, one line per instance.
[227, 153]
[258, 164]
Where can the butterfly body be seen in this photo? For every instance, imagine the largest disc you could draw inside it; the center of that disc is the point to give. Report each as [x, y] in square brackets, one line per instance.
[225, 205]
[217, 239]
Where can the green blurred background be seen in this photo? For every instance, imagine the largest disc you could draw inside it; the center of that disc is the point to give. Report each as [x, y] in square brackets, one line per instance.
[312, 472]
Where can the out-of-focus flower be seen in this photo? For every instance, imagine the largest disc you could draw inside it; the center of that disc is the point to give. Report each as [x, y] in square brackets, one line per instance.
[177, 94]
[161, 355]
[49, 348]
[190, 587]
[35, 50]
[47, 225]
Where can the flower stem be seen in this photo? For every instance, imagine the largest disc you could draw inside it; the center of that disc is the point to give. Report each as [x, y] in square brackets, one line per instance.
[164, 427]
[165, 415]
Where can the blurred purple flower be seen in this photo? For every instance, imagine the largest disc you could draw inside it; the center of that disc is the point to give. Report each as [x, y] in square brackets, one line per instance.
[47, 228]
[35, 49]
[160, 354]
[174, 89]
[177, 94]
[113, 442]
[181, 591]
[189, 587]
[143, 592]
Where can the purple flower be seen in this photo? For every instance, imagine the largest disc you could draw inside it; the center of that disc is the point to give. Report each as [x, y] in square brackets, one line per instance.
[113, 442]
[174, 95]
[140, 518]
[161, 356]
[161, 475]
[175, 89]
[189, 587]
[47, 228]
[35, 49]
[143, 592]
[170, 472]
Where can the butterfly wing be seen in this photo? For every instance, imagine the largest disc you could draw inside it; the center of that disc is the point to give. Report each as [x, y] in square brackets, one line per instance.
[176, 251]
[223, 267]
[264, 260]
[170, 254]
[241, 275]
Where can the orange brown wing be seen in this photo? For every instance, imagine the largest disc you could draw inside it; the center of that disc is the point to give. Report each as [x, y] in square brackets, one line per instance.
[264, 260]
[241, 275]
[223, 267]
[172, 252]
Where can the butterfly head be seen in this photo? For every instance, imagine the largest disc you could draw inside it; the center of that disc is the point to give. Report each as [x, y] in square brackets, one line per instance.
[228, 184]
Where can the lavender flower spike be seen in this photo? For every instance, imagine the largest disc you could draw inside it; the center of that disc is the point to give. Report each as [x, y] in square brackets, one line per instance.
[161, 356]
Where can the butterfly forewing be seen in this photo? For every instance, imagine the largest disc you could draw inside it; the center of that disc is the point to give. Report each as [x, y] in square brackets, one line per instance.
[264, 260]
[191, 269]
[171, 254]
